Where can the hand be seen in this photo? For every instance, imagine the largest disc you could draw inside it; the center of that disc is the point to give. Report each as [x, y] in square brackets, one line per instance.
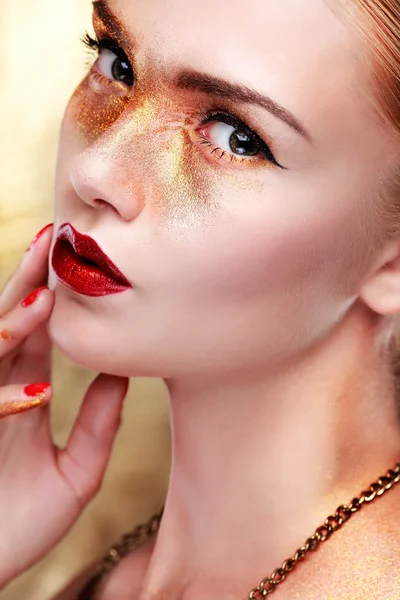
[43, 489]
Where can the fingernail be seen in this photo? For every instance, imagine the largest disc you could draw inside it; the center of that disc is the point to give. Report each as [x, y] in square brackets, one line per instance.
[38, 236]
[36, 397]
[33, 297]
[36, 389]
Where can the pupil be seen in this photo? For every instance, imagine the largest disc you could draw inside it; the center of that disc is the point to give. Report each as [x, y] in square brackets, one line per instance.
[242, 143]
[122, 71]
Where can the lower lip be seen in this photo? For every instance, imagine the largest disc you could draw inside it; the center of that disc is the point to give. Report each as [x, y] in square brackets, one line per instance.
[82, 276]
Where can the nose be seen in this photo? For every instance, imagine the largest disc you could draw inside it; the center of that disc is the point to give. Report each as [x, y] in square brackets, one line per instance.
[113, 173]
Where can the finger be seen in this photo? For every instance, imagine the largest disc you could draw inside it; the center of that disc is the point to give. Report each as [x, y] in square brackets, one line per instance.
[34, 359]
[24, 319]
[31, 273]
[27, 359]
[17, 399]
[84, 460]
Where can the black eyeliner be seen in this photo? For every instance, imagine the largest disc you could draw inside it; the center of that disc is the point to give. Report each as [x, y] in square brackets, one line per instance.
[233, 121]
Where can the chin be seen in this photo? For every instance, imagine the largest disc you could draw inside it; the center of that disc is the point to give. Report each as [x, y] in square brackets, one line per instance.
[78, 347]
[95, 344]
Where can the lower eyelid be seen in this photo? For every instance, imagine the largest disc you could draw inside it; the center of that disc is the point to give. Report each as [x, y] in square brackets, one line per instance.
[229, 159]
[101, 83]
[98, 81]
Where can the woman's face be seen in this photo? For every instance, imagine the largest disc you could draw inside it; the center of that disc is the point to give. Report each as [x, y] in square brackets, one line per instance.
[243, 225]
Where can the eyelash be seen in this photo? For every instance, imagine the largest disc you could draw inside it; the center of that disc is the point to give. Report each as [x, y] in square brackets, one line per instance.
[97, 45]
[229, 119]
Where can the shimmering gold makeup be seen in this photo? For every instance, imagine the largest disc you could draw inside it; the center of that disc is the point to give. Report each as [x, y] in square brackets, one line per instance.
[36, 394]
[109, 24]
[95, 113]
[182, 181]
[167, 149]
[16, 408]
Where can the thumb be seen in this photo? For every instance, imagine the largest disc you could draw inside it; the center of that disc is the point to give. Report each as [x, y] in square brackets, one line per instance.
[84, 460]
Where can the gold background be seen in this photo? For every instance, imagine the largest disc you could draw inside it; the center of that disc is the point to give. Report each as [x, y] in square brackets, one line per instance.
[41, 62]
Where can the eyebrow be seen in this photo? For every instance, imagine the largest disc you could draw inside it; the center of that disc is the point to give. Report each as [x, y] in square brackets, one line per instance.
[104, 13]
[205, 83]
[216, 86]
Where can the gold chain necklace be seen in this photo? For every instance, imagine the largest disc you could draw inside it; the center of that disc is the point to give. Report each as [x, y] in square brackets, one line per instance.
[143, 532]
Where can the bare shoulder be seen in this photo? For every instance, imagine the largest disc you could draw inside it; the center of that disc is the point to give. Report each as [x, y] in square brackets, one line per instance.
[361, 560]
[122, 583]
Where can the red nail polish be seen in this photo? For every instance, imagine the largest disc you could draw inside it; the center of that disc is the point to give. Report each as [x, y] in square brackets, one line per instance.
[36, 389]
[33, 297]
[39, 235]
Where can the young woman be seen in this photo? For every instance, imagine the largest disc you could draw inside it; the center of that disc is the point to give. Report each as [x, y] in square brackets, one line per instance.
[227, 218]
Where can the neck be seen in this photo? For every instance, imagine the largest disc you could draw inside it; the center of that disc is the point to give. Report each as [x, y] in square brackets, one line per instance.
[260, 462]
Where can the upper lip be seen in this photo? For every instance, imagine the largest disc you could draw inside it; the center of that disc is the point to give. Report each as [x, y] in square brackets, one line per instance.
[85, 247]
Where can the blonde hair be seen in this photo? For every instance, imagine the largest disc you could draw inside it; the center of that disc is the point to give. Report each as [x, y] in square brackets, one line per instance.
[378, 24]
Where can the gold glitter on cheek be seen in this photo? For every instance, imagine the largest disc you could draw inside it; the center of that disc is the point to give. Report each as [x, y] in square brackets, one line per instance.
[196, 191]
[93, 112]
[185, 198]
[16, 408]
[185, 187]
[193, 189]
[5, 335]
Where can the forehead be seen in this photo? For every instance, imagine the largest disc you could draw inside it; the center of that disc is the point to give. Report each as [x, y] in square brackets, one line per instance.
[231, 34]
[253, 26]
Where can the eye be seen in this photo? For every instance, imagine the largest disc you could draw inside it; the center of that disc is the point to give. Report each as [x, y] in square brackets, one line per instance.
[115, 67]
[112, 61]
[234, 139]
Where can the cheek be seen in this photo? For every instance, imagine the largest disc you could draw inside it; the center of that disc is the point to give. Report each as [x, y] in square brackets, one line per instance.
[268, 254]
[211, 234]
[91, 114]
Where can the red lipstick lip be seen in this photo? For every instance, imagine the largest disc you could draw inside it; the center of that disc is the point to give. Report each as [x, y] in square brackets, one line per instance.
[80, 263]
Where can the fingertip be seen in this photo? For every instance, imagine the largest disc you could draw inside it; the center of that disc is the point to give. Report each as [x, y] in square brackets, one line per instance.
[33, 296]
[39, 235]
[26, 399]
[38, 391]
[113, 382]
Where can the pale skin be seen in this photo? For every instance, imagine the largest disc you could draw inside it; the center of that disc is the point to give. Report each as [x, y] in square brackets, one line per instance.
[263, 296]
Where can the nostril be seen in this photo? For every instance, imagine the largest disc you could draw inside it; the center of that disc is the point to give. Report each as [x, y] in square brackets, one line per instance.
[100, 202]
